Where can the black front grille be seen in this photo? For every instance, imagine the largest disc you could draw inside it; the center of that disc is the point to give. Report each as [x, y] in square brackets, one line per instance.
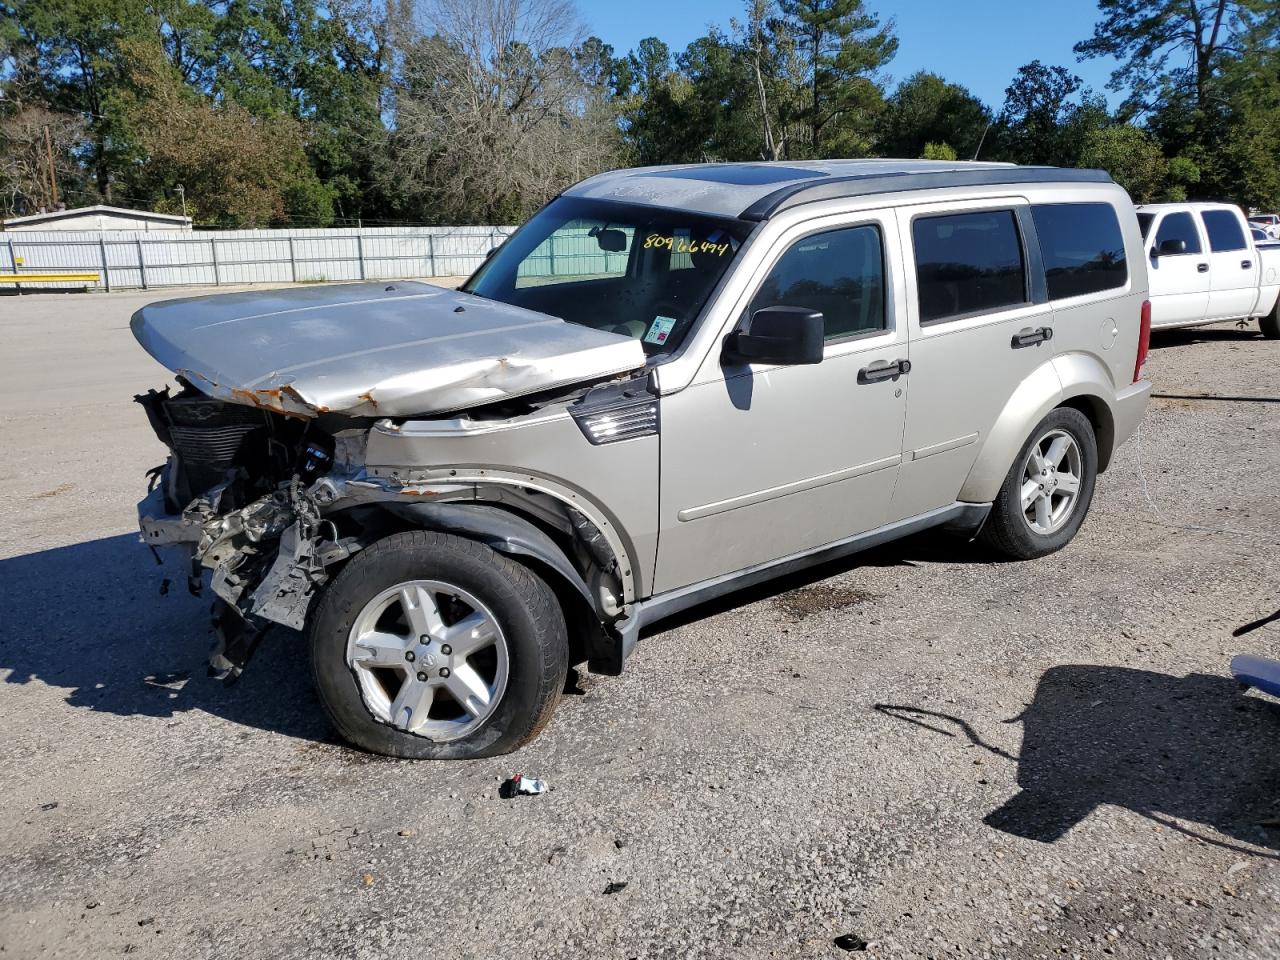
[211, 431]
[210, 437]
[212, 445]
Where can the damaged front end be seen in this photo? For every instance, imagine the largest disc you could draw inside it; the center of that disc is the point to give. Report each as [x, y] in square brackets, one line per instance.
[236, 495]
[269, 506]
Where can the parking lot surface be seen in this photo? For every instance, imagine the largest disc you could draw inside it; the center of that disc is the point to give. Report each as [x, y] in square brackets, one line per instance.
[921, 751]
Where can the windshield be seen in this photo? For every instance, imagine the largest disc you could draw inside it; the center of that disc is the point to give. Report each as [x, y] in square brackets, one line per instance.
[1144, 223]
[645, 272]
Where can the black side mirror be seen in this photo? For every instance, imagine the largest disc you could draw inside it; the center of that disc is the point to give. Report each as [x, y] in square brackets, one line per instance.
[611, 241]
[1170, 248]
[781, 335]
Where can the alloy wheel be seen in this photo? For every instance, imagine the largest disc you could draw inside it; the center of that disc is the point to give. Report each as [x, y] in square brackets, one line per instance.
[430, 659]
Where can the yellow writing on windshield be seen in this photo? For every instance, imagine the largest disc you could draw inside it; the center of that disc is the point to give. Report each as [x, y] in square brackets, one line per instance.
[685, 245]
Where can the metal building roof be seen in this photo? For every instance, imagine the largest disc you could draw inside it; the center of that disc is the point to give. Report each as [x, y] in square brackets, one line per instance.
[39, 220]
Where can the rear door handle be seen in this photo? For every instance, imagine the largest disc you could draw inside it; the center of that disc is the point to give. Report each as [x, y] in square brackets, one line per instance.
[1246, 264]
[1029, 337]
[1202, 268]
[884, 371]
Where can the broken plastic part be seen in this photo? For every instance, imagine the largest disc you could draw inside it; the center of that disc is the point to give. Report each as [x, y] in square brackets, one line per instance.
[522, 786]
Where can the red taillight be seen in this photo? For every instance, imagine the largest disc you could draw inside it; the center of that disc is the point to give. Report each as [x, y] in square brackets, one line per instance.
[1144, 341]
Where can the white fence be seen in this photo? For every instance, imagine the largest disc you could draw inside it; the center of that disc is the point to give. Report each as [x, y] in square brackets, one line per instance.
[129, 259]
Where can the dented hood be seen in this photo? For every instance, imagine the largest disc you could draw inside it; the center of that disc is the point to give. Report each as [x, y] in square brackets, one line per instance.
[373, 349]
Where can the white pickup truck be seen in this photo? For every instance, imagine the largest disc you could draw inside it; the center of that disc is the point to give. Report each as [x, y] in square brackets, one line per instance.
[1205, 267]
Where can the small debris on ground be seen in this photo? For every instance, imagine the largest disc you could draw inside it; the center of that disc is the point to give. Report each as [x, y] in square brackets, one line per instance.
[520, 785]
[616, 886]
[408, 832]
[49, 806]
[850, 942]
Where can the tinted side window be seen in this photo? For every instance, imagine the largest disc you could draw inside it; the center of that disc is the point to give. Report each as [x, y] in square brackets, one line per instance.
[1144, 223]
[840, 273]
[968, 263]
[1082, 247]
[1224, 230]
[1179, 226]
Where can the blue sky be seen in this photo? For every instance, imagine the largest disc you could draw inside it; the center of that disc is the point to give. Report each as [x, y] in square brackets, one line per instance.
[976, 43]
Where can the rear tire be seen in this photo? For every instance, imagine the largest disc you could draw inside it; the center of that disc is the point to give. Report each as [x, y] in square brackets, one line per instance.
[1047, 492]
[383, 651]
[1270, 324]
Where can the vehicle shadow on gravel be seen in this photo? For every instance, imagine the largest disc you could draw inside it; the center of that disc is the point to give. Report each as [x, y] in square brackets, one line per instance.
[931, 546]
[1192, 748]
[90, 618]
[1187, 336]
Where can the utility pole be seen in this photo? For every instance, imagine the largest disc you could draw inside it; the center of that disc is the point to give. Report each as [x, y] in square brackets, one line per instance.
[182, 195]
[53, 174]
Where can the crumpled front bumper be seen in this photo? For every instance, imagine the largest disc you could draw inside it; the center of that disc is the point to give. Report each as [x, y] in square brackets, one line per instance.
[161, 528]
[266, 559]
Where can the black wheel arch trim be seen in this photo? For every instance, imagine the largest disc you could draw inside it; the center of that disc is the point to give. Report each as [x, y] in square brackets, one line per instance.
[521, 539]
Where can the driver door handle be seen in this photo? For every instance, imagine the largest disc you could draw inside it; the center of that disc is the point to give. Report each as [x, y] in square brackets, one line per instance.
[1202, 268]
[891, 370]
[1246, 264]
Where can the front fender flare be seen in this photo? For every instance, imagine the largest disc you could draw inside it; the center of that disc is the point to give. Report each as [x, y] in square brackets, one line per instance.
[517, 537]
[499, 528]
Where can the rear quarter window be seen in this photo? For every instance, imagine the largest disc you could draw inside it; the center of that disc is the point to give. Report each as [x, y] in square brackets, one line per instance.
[1082, 248]
[1225, 232]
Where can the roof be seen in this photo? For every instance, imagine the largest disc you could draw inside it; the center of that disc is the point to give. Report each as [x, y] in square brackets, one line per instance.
[756, 191]
[1198, 205]
[98, 209]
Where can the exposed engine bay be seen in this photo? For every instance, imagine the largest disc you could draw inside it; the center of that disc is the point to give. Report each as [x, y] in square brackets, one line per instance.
[271, 504]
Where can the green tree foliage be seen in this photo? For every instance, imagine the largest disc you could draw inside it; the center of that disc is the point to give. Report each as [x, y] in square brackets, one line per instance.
[843, 46]
[319, 65]
[1168, 48]
[1037, 110]
[927, 109]
[1202, 74]
[237, 169]
[938, 151]
[1132, 157]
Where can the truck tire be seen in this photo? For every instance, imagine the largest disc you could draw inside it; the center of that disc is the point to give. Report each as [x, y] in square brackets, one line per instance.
[433, 646]
[1270, 324]
[1047, 492]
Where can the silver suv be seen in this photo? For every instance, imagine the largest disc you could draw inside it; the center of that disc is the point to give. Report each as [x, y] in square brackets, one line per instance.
[669, 384]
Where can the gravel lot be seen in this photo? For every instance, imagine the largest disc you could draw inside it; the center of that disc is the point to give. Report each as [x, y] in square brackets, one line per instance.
[939, 755]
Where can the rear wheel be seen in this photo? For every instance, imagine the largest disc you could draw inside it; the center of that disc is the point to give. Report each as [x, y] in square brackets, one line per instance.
[432, 646]
[1047, 493]
[1270, 324]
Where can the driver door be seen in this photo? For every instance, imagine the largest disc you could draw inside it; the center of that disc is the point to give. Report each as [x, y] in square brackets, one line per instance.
[762, 462]
[1179, 281]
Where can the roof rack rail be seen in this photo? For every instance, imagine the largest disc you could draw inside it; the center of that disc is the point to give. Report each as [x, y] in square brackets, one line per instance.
[838, 188]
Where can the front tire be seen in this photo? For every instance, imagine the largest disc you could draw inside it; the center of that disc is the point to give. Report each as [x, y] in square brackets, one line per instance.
[1048, 490]
[433, 646]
